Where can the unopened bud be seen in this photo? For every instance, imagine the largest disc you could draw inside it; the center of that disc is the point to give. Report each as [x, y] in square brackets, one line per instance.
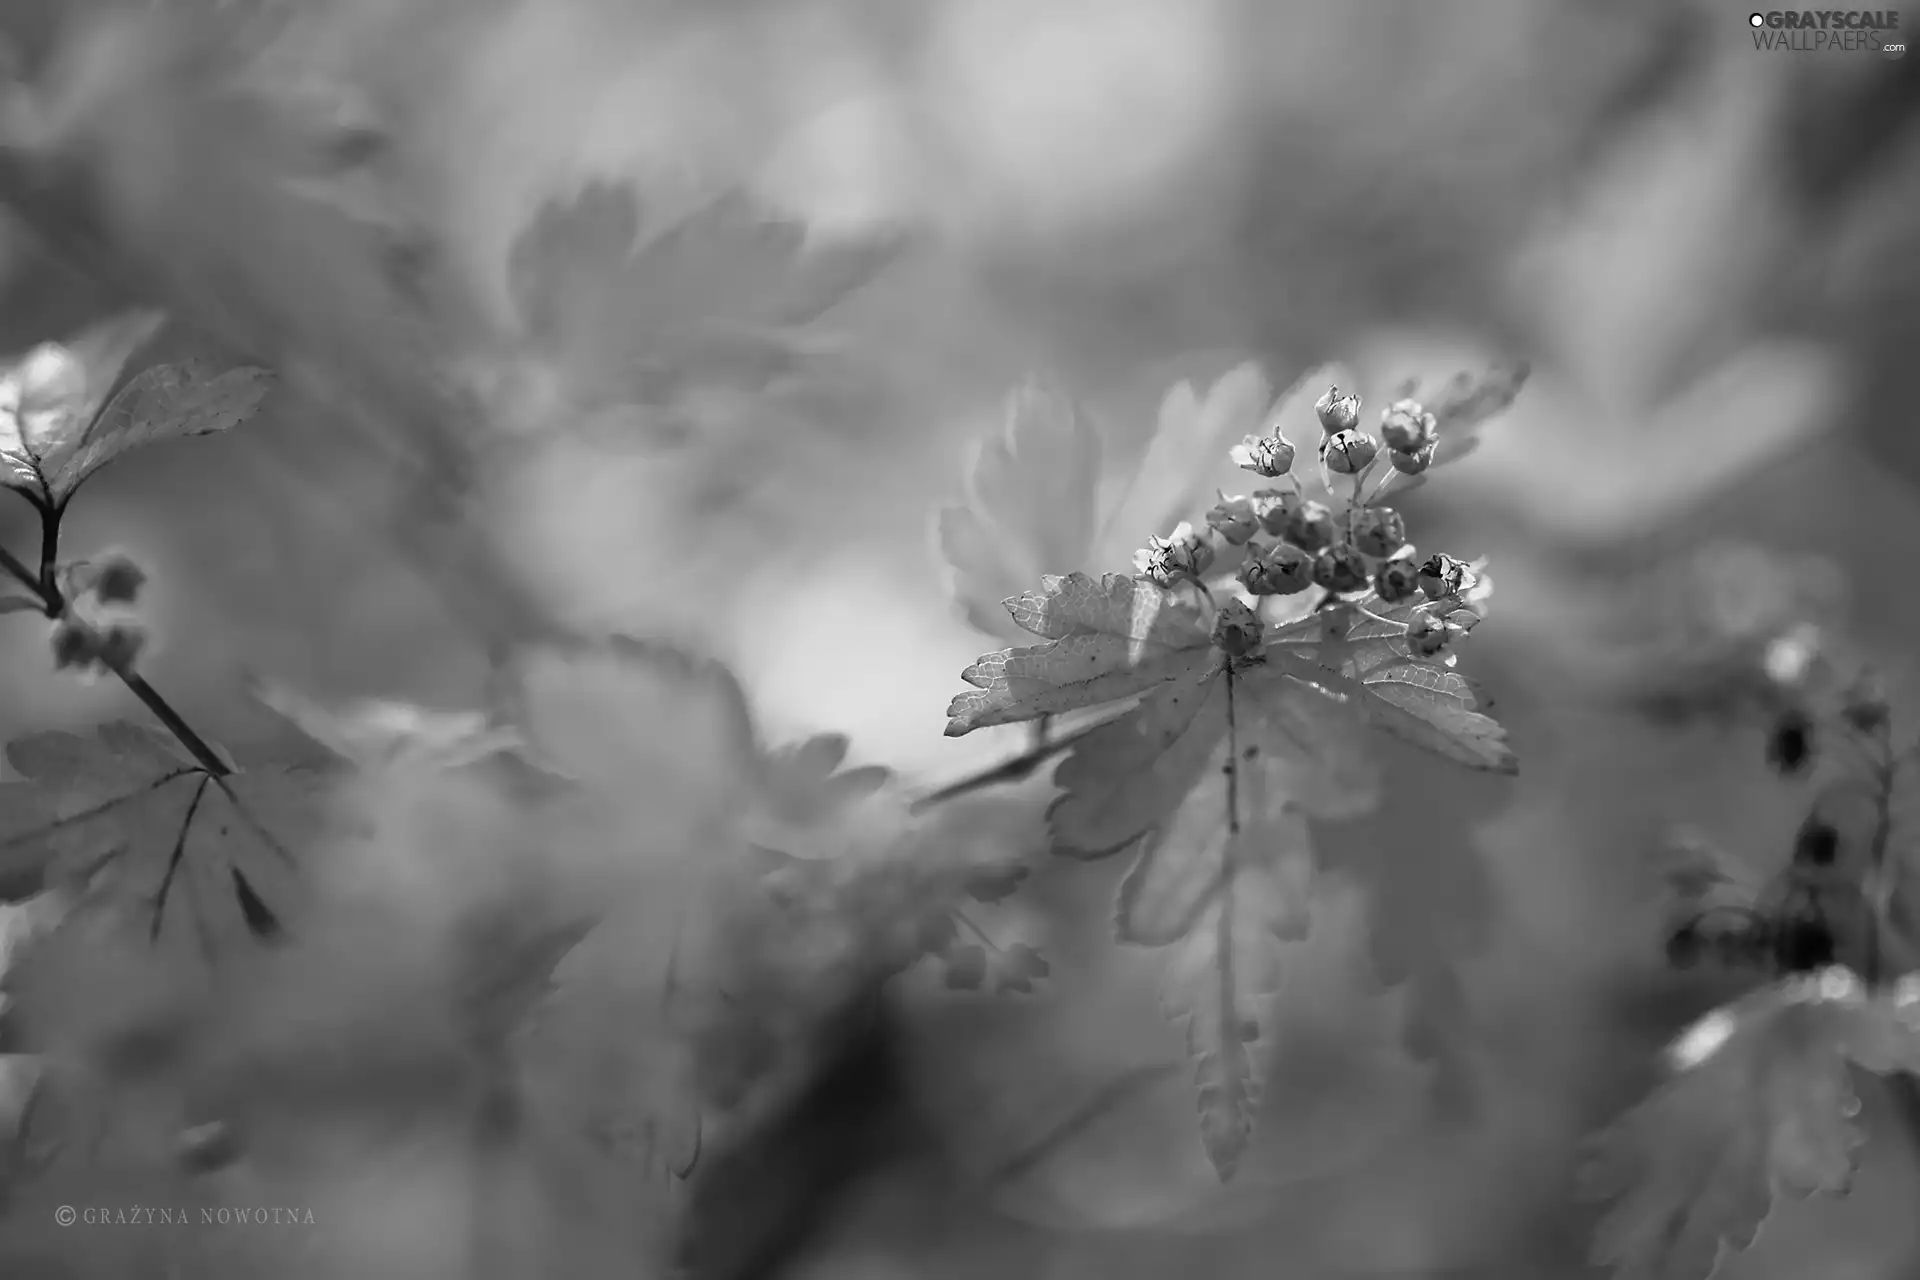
[1411, 463]
[1349, 452]
[1407, 427]
[1237, 630]
[1337, 412]
[1233, 519]
[1281, 570]
[1181, 555]
[1442, 576]
[1270, 455]
[1377, 531]
[1397, 580]
[1274, 507]
[1340, 569]
[1311, 526]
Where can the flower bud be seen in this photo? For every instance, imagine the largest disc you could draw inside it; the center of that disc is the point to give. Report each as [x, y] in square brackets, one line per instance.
[118, 581]
[120, 645]
[1337, 412]
[1233, 519]
[1282, 570]
[1411, 464]
[1339, 569]
[1407, 427]
[1427, 635]
[1237, 630]
[1310, 526]
[1442, 576]
[74, 645]
[1377, 531]
[1274, 507]
[1349, 452]
[1397, 580]
[1269, 456]
[1182, 554]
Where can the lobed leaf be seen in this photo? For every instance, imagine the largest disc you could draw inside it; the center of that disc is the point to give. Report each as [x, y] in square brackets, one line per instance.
[1211, 779]
[1191, 439]
[124, 809]
[1030, 507]
[1694, 1170]
[649, 314]
[1107, 640]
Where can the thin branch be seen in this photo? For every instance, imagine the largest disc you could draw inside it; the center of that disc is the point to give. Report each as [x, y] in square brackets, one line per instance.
[54, 607]
[1017, 769]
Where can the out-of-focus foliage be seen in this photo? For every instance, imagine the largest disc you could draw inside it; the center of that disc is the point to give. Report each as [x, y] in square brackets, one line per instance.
[1705, 251]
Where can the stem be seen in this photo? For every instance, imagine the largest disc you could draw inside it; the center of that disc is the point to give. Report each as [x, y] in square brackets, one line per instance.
[49, 553]
[976, 930]
[1017, 769]
[42, 586]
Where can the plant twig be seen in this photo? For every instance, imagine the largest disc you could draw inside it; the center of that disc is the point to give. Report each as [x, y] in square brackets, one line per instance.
[1017, 769]
[44, 589]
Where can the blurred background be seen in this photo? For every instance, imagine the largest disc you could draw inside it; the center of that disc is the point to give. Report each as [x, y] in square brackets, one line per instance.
[538, 380]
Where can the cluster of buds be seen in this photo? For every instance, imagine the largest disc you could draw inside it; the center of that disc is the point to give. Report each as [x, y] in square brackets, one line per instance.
[87, 636]
[1333, 537]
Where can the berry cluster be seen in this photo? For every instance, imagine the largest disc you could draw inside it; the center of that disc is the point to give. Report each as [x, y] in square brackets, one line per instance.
[85, 636]
[1332, 533]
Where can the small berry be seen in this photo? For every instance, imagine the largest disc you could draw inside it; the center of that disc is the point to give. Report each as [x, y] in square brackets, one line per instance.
[1237, 630]
[1407, 427]
[1378, 531]
[1442, 576]
[1281, 570]
[1427, 635]
[1337, 412]
[120, 645]
[119, 581]
[1349, 452]
[1397, 580]
[1274, 507]
[1234, 519]
[1310, 526]
[1789, 745]
[1411, 464]
[1269, 456]
[74, 645]
[1182, 554]
[1340, 569]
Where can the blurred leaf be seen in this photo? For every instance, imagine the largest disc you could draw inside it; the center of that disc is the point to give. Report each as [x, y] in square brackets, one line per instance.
[1759, 1106]
[1030, 508]
[649, 315]
[374, 731]
[125, 809]
[1468, 403]
[1191, 438]
[1034, 506]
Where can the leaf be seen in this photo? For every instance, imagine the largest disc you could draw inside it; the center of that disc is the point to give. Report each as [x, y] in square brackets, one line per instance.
[1191, 439]
[55, 432]
[1468, 403]
[1106, 640]
[1759, 1106]
[1421, 701]
[1433, 708]
[124, 810]
[1210, 779]
[510, 968]
[371, 732]
[1033, 503]
[1030, 505]
[647, 314]
[1016, 967]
